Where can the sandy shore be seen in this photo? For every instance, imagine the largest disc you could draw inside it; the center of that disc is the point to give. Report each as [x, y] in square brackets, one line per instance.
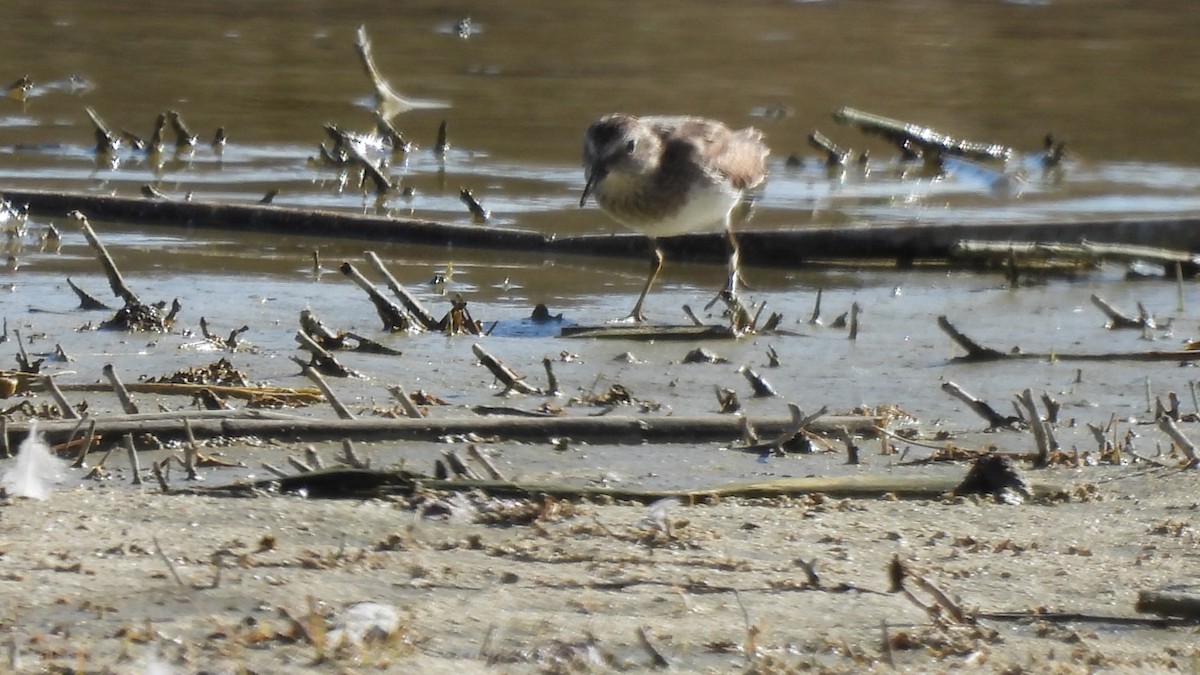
[466, 584]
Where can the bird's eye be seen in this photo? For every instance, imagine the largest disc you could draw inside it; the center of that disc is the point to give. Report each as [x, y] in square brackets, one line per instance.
[630, 145]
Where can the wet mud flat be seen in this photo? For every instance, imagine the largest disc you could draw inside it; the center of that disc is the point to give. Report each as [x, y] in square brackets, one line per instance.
[126, 574]
[622, 519]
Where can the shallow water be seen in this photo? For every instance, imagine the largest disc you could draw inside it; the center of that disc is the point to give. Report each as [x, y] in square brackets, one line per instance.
[1115, 80]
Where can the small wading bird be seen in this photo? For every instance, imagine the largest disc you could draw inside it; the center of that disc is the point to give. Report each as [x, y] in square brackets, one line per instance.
[666, 176]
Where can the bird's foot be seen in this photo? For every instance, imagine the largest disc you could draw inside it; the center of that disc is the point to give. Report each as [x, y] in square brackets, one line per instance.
[635, 317]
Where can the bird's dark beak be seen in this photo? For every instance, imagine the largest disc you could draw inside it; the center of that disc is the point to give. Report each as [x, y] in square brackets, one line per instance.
[595, 175]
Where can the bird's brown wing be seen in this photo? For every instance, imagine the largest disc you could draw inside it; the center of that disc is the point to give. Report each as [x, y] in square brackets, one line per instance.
[739, 156]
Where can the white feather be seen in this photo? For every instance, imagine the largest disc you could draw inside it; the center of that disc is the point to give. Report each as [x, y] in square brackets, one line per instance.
[35, 471]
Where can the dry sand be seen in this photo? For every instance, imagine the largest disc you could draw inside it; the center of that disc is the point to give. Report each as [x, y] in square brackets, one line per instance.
[472, 585]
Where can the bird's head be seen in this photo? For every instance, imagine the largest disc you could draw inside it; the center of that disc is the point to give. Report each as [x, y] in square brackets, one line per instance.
[617, 144]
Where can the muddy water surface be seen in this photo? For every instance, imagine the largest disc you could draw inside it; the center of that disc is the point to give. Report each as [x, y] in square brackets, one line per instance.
[1116, 80]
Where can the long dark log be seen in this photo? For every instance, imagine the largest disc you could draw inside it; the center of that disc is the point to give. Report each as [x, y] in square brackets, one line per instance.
[605, 429]
[788, 248]
[361, 483]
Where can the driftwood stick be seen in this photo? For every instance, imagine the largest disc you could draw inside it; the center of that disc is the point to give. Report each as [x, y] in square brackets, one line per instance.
[86, 300]
[271, 468]
[474, 453]
[1038, 429]
[393, 317]
[342, 411]
[458, 466]
[191, 452]
[299, 465]
[311, 458]
[975, 351]
[5, 449]
[834, 155]
[657, 660]
[134, 464]
[799, 422]
[166, 560]
[1116, 318]
[759, 384]
[127, 403]
[1189, 449]
[994, 419]
[351, 458]
[64, 406]
[402, 397]
[1170, 604]
[978, 354]
[388, 103]
[115, 281]
[322, 359]
[410, 302]
[512, 381]
[551, 381]
[929, 140]
[86, 446]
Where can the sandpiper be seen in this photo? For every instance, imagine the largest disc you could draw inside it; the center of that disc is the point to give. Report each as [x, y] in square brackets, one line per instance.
[665, 176]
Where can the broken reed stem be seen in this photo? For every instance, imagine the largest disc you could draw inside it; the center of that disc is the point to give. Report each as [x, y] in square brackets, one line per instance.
[342, 411]
[1116, 318]
[458, 466]
[657, 660]
[475, 454]
[115, 281]
[402, 397]
[170, 565]
[279, 473]
[512, 381]
[127, 402]
[157, 469]
[298, 465]
[74, 432]
[1189, 449]
[1039, 431]
[978, 405]
[393, 317]
[191, 452]
[133, 459]
[1179, 287]
[798, 424]
[815, 317]
[85, 443]
[350, 457]
[956, 612]
[854, 310]
[60, 400]
[312, 459]
[551, 380]
[410, 302]
[5, 450]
